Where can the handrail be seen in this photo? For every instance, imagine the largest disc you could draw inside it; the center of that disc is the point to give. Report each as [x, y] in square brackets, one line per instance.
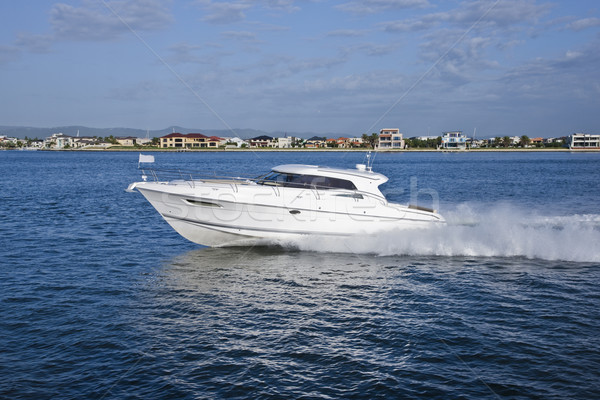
[191, 177]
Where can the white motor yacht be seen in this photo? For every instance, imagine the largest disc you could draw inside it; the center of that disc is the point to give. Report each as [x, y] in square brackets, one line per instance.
[288, 203]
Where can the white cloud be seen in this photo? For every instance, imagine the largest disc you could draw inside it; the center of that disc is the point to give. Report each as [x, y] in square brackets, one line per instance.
[227, 12]
[181, 53]
[378, 6]
[347, 33]
[34, 43]
[240, 35]
[96, 21]
[584, 23]
[408, 25]
[371, 49]
[284, 5]
[498, 13]
[224, 12]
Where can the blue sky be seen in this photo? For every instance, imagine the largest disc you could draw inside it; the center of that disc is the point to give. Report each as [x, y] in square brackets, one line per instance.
[501, 67]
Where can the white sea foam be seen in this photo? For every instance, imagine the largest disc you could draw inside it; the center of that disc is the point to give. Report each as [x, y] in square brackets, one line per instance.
[500, 230]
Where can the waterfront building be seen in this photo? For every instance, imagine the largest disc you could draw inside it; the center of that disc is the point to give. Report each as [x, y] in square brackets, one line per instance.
[515, 140]
[234, 142]
[454, 140]
[476, 143]
[315, 142]
[536, 141]
[263, 141]
[126, 141]
[356, 142]
[331, 142]
[284, 142]
[6, 141]
[390, 139]
[190, 141]
[288, 142]
[57, 141]
[552, 140]
[83, 141]
[343, 143]
[583, 141]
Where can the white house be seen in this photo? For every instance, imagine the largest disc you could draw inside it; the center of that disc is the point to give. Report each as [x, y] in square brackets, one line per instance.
[237, 142]
[57, 141]
[583, 141]
[390, 139]
[454, 140]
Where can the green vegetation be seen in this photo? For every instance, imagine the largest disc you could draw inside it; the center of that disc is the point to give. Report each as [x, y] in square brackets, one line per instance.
[415, 143]
[370, 140]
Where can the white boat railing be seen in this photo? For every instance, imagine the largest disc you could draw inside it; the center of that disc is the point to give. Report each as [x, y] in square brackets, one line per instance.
[192, 177]
[202, 177]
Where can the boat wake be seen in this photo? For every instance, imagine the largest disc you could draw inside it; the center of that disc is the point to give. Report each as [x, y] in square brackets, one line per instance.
[500, 230]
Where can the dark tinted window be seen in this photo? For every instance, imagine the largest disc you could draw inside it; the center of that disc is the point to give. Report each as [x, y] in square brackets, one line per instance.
[307, 181]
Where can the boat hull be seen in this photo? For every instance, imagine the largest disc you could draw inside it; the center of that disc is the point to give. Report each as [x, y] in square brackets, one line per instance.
[239, 214]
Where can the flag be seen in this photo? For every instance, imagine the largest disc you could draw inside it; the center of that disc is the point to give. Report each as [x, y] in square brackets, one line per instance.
[146, 158]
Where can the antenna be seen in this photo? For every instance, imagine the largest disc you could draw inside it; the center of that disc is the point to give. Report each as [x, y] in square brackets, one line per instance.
[369, 164]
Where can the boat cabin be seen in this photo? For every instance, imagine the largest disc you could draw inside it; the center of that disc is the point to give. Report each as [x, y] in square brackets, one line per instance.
[315, 177]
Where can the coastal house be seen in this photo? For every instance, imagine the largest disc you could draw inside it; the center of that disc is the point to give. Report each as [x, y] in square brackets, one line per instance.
[215, 142]
[454, 140]
[287, 142]
[356, 142]
[36, 144]
[583, 141]
[515, 140]
[552, 140]
[262, 142]
[331, 142]
[234, 142]
[143, 141]
[538, 141]
[189, 141]
[476, 143]
[58, 141]
[126, 141]
[390, 139]
[343, 143]
[83, 141]
[315, 142]
[6, 141]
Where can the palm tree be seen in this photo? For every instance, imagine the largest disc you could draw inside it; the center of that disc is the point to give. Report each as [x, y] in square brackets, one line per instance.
[371, 139]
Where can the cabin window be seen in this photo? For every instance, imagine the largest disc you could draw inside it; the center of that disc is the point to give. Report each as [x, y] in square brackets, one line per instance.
[306, 181]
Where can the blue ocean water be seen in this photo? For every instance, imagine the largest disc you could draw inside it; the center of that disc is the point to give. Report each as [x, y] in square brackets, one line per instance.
[100, 298]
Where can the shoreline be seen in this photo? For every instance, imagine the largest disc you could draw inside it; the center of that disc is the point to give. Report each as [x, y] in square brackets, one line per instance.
[359, 150]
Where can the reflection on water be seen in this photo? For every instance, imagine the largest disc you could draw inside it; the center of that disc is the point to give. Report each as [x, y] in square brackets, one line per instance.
[274, 322]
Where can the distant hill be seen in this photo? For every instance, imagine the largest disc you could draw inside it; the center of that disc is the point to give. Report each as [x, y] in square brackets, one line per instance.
[22, 131]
